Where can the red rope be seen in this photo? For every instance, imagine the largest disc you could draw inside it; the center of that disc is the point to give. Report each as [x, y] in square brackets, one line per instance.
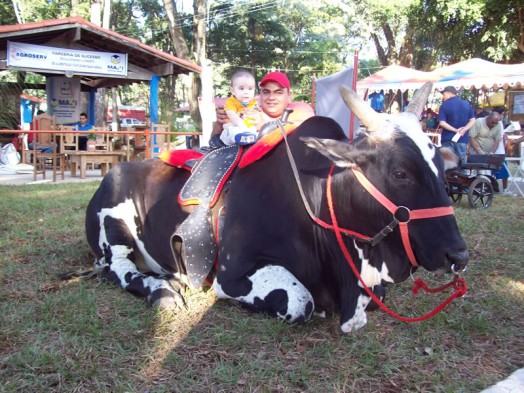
[458, 283]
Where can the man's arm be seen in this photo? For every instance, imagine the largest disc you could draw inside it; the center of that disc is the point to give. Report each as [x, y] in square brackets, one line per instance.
[517, 141]
[221, 116]
[475, 145]
[468, 126]
[447, 126]
[495, 146]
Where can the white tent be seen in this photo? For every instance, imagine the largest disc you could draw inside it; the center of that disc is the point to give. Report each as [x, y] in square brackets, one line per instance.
[468, 74]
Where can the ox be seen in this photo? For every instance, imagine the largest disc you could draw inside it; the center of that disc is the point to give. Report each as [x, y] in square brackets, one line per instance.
[273, 257]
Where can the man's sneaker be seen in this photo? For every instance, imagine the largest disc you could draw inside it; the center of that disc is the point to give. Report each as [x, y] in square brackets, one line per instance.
[245, 138]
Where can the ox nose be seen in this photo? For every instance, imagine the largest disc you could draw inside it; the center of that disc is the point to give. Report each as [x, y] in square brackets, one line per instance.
[457, 260]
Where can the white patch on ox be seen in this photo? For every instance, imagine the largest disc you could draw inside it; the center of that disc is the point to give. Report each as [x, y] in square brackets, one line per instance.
[122, 267]
[411, 127]
[359, 319]
[126, 212]
[408, 124]
[270, 278]
[370, 274]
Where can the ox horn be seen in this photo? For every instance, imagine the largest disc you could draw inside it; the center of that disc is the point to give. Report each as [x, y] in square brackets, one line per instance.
[420, 98]
[371, 119]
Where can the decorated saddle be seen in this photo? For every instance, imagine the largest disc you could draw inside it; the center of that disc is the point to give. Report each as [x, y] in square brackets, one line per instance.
[195, 242]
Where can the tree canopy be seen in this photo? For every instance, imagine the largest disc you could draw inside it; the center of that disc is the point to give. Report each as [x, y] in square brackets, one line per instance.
[302, 37]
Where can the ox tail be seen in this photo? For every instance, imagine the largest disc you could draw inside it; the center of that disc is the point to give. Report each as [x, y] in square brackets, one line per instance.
[82, 273]
[77, 274]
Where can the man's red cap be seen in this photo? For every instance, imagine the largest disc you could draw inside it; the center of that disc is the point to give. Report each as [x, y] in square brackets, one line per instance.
[277, 77]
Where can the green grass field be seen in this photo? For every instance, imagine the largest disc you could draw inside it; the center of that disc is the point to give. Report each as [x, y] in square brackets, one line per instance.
[90, 336]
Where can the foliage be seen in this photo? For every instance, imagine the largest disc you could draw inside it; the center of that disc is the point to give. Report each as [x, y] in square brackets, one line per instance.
[422, 33]
[91, 336]
[367, 67]
[7, 15]
[301, 38]
[37, 10]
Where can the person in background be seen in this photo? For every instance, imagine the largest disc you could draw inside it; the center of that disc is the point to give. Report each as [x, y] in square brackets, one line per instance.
[481, 112]
[503, 173]
[82, 125]
[485, 135]
[275, 98]
[239, 129]
[456, 117]
[430, 122]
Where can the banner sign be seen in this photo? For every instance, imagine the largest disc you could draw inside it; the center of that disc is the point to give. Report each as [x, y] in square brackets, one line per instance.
[63, 99]
[63, 60]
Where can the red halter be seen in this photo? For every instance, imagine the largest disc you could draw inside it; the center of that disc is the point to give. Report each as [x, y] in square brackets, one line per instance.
[459, 284]
[394, 209]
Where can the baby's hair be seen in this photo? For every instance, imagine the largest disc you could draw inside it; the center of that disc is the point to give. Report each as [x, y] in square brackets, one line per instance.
[240, 73]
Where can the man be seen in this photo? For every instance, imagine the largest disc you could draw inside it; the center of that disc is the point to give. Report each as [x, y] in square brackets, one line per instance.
[275, 97]
[456, 117]
[82, 125]
[485, 135]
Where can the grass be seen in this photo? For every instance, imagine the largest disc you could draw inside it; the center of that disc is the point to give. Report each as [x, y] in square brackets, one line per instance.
[90, 336]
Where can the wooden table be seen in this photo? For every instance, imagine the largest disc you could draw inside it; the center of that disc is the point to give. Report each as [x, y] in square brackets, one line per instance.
[103, 158]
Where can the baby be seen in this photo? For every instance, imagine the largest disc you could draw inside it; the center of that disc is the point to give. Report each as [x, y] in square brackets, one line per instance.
[239, 129]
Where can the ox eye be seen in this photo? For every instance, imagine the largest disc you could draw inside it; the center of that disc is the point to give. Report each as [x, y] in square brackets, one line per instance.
[399, 175]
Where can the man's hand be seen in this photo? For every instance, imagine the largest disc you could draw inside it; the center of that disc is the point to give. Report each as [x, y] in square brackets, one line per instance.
[221, 114]
[221, 118]
[255, 116]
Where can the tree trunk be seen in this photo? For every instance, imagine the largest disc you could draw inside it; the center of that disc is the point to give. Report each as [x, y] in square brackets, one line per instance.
[114, 102]
[406, 50]
[199, 49]
[100, 97]
[382, 58]
[175, 30]
[17, 6]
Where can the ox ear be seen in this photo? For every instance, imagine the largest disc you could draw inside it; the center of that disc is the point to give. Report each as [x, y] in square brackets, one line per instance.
[340, 153]
[371, 119]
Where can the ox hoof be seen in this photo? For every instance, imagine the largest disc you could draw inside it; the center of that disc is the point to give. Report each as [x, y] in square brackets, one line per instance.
[354, 323]
[170, 303]
[380, 292]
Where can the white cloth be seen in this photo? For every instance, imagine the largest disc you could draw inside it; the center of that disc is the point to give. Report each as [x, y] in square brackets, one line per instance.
[500, 148]
[228, 134]
[329, 101]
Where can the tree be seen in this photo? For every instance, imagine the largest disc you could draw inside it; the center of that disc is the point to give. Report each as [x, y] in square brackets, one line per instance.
[197, 53]
[422, 33]
[300, 38]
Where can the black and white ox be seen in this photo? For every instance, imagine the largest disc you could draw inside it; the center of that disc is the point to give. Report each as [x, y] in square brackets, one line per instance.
[274, 256]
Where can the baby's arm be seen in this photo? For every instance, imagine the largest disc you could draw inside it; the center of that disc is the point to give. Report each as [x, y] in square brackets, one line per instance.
[235, 119]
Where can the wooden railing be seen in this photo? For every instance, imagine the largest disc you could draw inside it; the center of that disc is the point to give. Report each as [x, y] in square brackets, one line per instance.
[147, 133]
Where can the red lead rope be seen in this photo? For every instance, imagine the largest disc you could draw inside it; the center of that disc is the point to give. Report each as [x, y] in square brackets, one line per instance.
[458, 284]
